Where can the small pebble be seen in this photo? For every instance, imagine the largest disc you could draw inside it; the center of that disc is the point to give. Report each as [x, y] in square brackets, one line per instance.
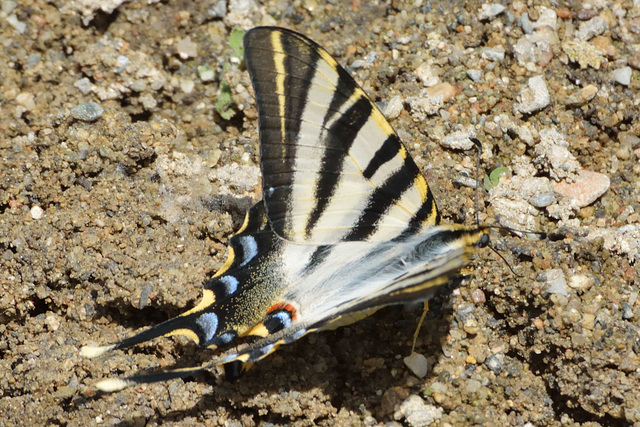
[206, 73]
[555, 281]
[37, 212]
[87, 112]
[582, 52]
[534, 97]
[490, 10]
[542, 200]
[20, 27]
[580, 282]
[84, 84]
[186, 48]
[583, 96]
[495, 362]
[584, 14]
[474, 74]
[548, 18]
[464, 178]
[622, 76]
[586, 188]
[218, 10]
[417, 413]
[591, 28]
[526, 24]
[32, 61]
[417, 364]
[393, 108]
[495, 53]
[121, 63]
[145, 296]
[478, 296]
[371, 57]
[444, 91]
[52, 321]
[187, 85]
[427, 75]
[458, 140]
[472, 386]
[634, 61]
[627, 312]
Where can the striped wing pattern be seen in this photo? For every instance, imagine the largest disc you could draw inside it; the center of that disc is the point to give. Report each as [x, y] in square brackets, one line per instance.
[333, 167]
[347, 224]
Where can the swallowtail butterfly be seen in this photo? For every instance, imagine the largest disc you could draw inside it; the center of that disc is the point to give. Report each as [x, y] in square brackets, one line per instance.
[347, 223]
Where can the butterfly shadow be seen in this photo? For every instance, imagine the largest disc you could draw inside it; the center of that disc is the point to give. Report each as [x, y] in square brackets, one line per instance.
[357, 368]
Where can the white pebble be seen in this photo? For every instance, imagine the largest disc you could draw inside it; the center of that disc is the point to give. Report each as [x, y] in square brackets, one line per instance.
[187, 85]
[37, 212]
[427, 75]
[489, 10]
[622, 76]
[417, 364]
[534, 97]
[186, 48]
[458, 140]
[556, 283]
[417, 413]
[20, 27]
[394, 107]
[548, 18]
[495, 53]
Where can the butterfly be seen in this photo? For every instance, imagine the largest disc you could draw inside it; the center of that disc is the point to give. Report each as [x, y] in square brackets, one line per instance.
[347, 223]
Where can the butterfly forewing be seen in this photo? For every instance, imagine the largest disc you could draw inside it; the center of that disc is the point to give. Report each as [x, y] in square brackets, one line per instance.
[333, 168]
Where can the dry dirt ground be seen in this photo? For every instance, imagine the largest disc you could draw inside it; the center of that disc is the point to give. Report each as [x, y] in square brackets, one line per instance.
[112, 217]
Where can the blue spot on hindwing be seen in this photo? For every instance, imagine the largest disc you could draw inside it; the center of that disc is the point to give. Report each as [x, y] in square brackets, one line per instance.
[249, 249]
[208, 322]
[277, 321]
[230, 283]
[225, 338]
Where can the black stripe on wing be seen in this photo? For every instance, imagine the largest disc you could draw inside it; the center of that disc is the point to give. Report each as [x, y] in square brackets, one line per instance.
[299, 66]
[343, 131]
[383, 198]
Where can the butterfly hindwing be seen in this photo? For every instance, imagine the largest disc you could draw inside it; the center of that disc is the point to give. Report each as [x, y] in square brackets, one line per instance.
[333, 168]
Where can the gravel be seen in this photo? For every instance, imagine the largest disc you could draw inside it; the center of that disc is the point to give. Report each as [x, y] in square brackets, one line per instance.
[138, 204]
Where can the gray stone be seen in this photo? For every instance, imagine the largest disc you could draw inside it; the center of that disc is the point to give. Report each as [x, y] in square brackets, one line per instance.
[495, 362]
[87, 112]
[542, 200]
[591, 28]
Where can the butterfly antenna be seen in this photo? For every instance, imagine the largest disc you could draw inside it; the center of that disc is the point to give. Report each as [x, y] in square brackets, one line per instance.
[505, 261]
[425, 309]
[478, 145]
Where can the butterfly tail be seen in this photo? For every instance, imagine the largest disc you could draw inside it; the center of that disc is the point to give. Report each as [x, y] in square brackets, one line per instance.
[181, 325]
[237, 361]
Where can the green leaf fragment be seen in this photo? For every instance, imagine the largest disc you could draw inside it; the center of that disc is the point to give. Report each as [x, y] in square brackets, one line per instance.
[492, 180]
[235, 41]
[224, 103]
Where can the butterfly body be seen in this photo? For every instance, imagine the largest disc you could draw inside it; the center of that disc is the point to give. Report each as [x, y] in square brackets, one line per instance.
[347, 223]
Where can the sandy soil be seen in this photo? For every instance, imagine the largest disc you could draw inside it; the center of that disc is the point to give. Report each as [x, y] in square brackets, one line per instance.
[110, 223]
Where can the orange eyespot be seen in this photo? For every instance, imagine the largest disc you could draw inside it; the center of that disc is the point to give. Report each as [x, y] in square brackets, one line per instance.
[284, 306]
